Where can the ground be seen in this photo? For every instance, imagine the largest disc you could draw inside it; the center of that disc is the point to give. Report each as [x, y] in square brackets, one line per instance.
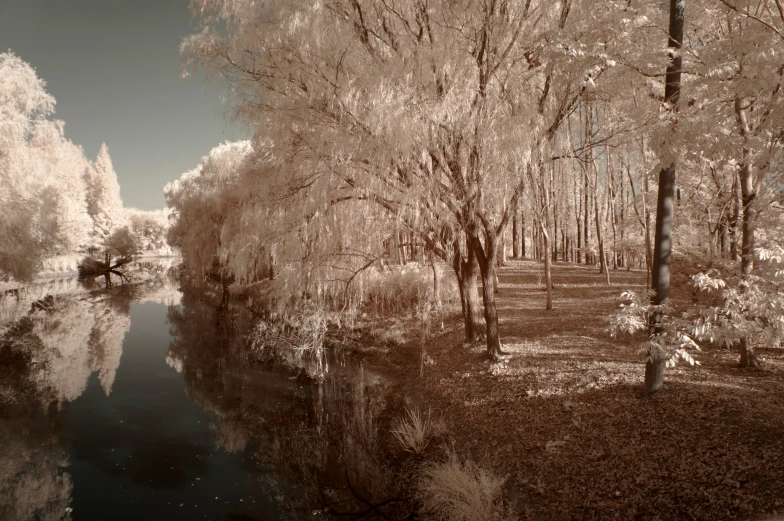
[565, 420]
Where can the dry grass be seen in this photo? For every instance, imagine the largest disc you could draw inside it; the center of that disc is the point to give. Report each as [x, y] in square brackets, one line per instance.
[413, 431]
[404, 289]
[459, 490]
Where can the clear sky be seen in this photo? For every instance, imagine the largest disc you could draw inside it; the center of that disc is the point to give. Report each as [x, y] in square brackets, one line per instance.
[114, 68]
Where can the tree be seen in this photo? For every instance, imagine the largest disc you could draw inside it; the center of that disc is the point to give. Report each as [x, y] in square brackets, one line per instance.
[397, 106]
[42, 192]
[150, 228]
[662, 245]
[104, 203]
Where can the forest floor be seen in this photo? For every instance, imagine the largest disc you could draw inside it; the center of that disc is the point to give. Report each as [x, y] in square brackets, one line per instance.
[564, 420]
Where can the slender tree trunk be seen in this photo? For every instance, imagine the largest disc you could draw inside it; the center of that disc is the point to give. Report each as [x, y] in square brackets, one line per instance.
[600, 239]
[548, 283]
[648, 245]
[611, 211]
[436, 282]
[577, 255]
[554, 242]
[516, 234]
[586, 220]
[522, 233]
[654, 367]
[748, 357]
[735, 219]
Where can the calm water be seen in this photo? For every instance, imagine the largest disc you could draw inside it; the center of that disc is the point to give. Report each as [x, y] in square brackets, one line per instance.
[141, 404]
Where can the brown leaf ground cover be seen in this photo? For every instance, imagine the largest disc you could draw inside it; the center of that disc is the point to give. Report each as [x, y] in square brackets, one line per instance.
[564, 419]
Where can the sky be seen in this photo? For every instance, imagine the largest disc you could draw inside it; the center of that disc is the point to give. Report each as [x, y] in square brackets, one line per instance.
[114, 68]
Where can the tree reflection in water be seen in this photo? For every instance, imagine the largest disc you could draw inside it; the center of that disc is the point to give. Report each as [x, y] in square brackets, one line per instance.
[317, 442]
[49, 347]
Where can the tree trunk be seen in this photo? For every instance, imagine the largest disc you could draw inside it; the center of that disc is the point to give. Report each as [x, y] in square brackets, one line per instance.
[748, 357]
[654, 367]
[648, 245]
[436, 282]
[466, 271]
[578, 200]
[487, 271]
[735, 220]
[600, 237]
[749, 193]
[516, 234]
[548, 283]
[586, 220]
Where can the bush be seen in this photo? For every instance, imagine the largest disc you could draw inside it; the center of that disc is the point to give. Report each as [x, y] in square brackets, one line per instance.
[413, 431]
[459, 490]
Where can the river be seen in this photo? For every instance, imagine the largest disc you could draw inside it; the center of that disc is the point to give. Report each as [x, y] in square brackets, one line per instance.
[141, 402]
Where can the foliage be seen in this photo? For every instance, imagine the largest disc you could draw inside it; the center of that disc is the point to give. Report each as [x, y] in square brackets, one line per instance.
[103, 198]
[123, 243]
[401, 290]
[671, 342]
[55, 201]
[201, 201]
[42, 192]
[751, 310]
[150, 227]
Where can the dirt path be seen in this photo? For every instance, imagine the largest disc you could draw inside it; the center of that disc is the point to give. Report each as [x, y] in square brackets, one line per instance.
[565, 421]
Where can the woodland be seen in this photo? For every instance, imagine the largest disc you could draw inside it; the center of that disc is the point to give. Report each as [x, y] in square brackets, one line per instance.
[566, 217]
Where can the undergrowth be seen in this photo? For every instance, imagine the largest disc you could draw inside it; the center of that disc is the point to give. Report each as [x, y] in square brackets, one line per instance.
[460, 490]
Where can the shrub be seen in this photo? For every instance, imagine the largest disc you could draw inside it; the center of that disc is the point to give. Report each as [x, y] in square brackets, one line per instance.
[459, 490]
[413, 431]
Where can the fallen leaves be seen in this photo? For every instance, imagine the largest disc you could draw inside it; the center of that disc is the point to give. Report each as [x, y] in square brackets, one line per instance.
[574, 433]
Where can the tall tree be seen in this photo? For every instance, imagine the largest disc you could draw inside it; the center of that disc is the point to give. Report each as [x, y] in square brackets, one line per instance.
[42, 193]
[104, 203]
[665, 204]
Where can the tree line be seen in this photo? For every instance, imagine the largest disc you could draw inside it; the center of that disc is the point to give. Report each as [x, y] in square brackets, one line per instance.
[54, 200]
[453, 128]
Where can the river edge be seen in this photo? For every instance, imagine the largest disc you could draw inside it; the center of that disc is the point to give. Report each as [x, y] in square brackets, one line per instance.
[562, 421]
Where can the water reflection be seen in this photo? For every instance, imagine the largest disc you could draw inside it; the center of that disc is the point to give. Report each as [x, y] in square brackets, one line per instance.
[319, 441]
[54, 336]
[142, 402]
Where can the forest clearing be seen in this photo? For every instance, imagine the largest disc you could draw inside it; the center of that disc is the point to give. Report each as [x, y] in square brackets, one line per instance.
[564, 420]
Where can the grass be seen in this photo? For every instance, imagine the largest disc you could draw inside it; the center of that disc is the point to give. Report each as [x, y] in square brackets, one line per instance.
[413, 431]
[459, 490]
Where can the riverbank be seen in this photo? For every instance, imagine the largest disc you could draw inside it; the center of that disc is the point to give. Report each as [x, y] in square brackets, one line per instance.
[66, 267]
[565, 422]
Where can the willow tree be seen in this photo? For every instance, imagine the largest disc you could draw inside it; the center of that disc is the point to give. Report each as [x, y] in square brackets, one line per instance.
[427, 110]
